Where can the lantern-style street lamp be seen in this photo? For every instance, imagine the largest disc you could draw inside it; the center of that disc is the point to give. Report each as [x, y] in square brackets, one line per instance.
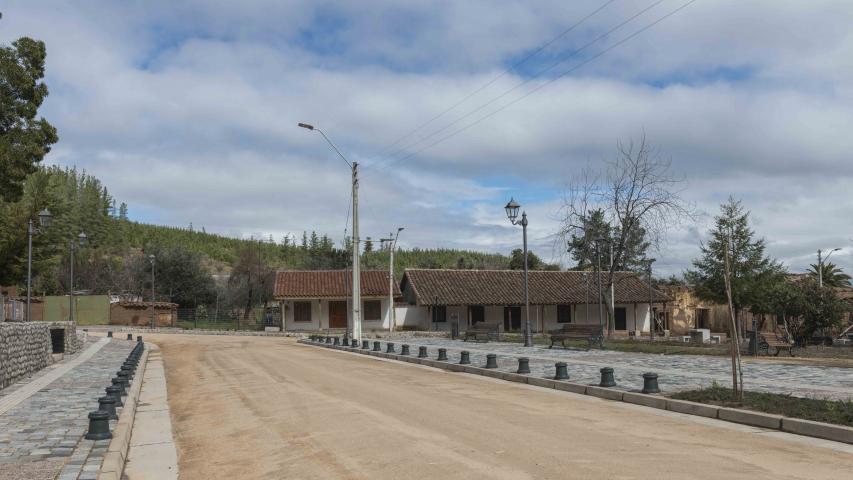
[45, 219]
[512, 214]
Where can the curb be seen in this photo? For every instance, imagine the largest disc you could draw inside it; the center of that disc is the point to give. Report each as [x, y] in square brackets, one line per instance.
[808, 428]
[112, 466]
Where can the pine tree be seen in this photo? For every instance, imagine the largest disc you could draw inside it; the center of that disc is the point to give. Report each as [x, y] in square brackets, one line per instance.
[753, 274]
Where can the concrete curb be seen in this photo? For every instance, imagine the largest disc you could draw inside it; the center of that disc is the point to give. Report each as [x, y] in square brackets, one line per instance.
[797, 426]
[113, 465]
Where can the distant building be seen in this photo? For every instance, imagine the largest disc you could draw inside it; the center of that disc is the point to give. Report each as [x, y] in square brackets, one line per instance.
[322, 299]
[436, 298]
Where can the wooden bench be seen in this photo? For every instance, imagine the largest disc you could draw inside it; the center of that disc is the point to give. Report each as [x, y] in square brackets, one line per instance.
[481, 329]
[775, 340]
[591, 333]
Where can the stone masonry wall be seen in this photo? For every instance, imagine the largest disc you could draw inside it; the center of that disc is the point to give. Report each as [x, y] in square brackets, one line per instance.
[24, 349]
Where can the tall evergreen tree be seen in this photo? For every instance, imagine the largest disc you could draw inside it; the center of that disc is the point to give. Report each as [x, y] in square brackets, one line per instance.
[24, 140]
[753, 274]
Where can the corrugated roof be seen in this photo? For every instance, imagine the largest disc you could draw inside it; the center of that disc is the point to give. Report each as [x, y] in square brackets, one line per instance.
[330, 283]
[505, 287]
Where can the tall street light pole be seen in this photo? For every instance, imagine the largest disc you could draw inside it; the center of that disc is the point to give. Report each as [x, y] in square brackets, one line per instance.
[45, 218]
[356, 253]
[392, 246]
[152, 259]
[81, 240]
[512, 213]
[820, 261]
[600, 297]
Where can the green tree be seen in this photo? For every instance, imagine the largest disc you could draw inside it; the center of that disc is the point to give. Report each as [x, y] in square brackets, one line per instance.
[179, 275]
[583, 243]
[833, 276]
[753, 274]
[516, 261]
[24, 140]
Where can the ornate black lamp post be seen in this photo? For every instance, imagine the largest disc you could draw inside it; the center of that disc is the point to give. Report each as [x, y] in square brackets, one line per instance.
[512, 213]
[45, 218]
[81, 241]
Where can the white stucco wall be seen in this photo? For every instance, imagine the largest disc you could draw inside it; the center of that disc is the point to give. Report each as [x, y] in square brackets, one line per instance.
[320, 315]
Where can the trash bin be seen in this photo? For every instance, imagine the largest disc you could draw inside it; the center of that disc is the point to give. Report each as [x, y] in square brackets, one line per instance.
[454, 330]
[697, 337]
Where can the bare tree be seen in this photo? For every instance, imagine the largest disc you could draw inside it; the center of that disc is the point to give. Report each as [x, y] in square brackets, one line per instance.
[635, 191]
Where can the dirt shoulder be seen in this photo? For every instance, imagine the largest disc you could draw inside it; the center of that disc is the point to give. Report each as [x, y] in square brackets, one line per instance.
[249, 407]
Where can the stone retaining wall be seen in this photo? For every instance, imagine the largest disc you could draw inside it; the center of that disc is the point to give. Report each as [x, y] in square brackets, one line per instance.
[25, 348]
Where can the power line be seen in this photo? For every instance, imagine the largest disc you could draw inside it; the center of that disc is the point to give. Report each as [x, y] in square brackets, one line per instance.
[539, 87]
[488, 84]
[527, 80]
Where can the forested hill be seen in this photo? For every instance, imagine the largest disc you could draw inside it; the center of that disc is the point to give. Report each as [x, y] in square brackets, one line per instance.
[114, 257]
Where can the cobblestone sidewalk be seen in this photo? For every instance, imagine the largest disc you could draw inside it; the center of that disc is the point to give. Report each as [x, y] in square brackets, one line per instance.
[42, 436]
[676, 372]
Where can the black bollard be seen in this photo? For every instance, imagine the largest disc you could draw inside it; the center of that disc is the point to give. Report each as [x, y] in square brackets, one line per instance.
[377, 347]
[562, 372]
[365, 344]
[491, 361]
[118, 384]
[124, 376]
[109, 333]
[99, 426]
[139, 338]
[108, 404]
[336, 341]
[354, 343]
[328, 339]
[523, 365]
[422, 352]
[127, 371]
[404, 350]
[464, 357]
[650, 383]
[115, 392]
[607, 379]
[442, 354]
[130, 336]
[389, 347]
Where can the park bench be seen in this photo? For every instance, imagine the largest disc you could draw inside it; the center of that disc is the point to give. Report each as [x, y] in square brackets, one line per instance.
[481, 329]
[591, 333]
[778, 340]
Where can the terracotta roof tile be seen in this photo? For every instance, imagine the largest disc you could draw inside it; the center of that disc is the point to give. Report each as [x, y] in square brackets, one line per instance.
[505, 287]
[330, 283]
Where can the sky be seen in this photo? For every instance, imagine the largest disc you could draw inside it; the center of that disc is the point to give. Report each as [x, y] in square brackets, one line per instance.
[188, 112]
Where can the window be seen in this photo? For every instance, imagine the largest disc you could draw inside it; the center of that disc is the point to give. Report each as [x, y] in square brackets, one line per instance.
[564, 314]
[372, 310]
[439, 314]
[477, 313]
[301, 311]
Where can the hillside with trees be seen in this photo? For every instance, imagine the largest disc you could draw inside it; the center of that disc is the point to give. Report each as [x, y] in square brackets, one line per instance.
[115, 258]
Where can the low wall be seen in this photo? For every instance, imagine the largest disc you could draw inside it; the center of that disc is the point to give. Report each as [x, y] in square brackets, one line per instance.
[25, 348]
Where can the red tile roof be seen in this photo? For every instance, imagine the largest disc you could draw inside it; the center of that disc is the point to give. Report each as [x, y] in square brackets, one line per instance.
[330, 284]
[505, 287]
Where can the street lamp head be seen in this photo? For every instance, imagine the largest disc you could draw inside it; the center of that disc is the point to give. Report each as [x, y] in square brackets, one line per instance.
[512, 210]
[45, 218]
[151, 258]
[400, 229]
[82, 238]
[306, 125]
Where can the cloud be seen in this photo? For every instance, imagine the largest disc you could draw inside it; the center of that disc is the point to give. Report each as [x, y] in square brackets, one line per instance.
[187, 111]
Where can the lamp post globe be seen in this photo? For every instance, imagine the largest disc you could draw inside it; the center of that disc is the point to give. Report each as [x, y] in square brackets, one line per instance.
[45, 218]
[512, 210]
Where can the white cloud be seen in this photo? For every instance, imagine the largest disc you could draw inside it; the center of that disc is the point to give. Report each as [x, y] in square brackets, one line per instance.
[187, 111]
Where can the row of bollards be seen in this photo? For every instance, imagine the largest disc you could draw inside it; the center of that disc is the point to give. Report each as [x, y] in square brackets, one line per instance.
[99, 420]
[650, 380]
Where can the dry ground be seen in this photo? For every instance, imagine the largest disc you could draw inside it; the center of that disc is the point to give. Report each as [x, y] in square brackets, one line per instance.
[268, 408]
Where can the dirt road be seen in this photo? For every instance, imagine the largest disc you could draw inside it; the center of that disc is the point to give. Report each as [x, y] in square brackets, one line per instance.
[245, 407]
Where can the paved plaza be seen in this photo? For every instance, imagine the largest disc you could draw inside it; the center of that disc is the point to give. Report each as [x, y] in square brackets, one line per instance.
[676, 372]
[41, 435]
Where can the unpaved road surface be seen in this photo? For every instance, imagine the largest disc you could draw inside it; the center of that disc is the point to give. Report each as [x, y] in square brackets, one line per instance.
[268, 408]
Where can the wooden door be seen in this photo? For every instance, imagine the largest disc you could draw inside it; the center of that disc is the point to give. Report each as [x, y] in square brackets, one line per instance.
[338, 314]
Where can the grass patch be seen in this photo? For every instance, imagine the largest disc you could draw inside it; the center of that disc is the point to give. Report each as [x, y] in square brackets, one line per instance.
[838, 412]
